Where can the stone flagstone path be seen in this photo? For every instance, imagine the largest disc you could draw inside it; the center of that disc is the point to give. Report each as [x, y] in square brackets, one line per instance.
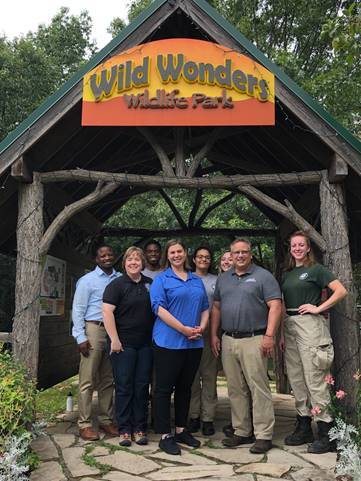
[65, 457]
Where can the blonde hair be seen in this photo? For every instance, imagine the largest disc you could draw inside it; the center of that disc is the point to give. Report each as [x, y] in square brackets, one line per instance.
[133, 250]
[310, 259]
[165, 261]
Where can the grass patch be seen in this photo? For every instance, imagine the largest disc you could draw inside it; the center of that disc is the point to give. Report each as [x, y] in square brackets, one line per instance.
[92, 462]
[51, 402]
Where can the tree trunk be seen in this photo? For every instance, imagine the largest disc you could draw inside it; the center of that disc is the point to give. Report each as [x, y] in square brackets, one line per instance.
[282, 384]
[345, 328]
[28, 275]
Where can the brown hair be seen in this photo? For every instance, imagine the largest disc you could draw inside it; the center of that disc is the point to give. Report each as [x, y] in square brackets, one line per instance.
[219, 267]
[310, 259]
[246, 241]
[133, 250]
[165, 262]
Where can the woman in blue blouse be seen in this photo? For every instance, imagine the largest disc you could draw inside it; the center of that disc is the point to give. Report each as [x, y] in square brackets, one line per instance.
[179, 301]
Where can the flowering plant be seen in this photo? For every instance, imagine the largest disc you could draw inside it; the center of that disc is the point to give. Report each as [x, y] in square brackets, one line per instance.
[347, 436]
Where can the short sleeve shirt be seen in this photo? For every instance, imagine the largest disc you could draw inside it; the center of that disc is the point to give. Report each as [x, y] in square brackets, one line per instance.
[244, 298]
[185, 300]
[303, 285]
[133, 314]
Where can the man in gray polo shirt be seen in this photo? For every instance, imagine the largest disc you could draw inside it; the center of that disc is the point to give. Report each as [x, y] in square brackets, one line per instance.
[247, 306]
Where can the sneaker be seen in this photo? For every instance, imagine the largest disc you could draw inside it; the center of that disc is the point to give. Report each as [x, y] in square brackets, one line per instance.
[125, 440]
[235, 441]
[228, 430]
[194, 425]
[261, 446]
[169, 446]
[140, 438]
[185, 437]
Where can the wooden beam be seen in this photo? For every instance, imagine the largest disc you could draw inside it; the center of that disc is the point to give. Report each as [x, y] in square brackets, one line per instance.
[83, 219]
[28, 275]
[345, 326]
[195, 231]
[213, 137]
[158, 149]
[287, 211]
[101, 191]
[195, 208]
[21, 171]
[173, 208]
[216, 182]
[338, 170]
[209, 209]
[180, 168]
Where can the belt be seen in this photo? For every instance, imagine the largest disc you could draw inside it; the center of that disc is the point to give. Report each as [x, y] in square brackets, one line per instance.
[292, 312]
[98, 323]
[241, 335]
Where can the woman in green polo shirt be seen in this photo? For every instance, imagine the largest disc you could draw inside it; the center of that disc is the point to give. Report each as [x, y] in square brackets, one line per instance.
[307, 342]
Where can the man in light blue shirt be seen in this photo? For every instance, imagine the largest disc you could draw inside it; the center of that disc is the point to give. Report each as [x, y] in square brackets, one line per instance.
[95, 371]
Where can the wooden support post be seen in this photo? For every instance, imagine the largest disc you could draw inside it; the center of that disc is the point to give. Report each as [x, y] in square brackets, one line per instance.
[21, 171]
[282, 384]
[25, 334]
[345, 327]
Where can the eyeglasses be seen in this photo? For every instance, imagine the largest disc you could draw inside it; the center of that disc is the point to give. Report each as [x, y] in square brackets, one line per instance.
[243, 253]
[206, 258]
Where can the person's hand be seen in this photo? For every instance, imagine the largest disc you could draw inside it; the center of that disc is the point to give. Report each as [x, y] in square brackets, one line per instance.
[216, 345]
[197, 333]
[116, 346]
[281, 343]
[84, 348]
[267, 346]
[308, 309]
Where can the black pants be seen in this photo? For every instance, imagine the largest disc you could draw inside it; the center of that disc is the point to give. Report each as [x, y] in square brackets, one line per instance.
[175, 371]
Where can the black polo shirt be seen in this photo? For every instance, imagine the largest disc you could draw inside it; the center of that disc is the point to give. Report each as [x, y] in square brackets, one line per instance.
[133, 314]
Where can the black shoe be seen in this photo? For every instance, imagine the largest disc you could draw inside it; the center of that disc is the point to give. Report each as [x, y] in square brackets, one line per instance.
[228, 430]
[208, 428]
[235, 440]
[323, 444]
[261, 446]
[185, 437]
[194, 425]
[169, 446]
[302, 434]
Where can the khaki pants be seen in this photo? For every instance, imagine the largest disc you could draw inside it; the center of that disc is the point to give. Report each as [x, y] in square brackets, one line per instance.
[204, 389]
[308, 356]
[95, 374]
[246, 371]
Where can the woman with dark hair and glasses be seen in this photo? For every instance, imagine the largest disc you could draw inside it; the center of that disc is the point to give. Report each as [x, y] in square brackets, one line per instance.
[204, 389]
[180, 303]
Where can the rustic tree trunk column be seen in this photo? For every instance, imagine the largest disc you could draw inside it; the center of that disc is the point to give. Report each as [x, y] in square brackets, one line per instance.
[28, 275]
[345, 327]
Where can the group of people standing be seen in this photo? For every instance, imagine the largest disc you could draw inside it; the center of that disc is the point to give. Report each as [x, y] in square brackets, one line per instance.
[166, 325]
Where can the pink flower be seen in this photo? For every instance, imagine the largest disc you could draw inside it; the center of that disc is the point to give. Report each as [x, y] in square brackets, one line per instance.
[315, 410]
[340, 394]
[329, 379]
[357, 376]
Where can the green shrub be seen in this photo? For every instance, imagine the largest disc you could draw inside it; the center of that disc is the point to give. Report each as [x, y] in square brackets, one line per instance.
[17, 397]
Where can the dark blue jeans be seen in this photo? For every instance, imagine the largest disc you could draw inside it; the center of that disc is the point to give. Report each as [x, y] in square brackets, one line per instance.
[132, 370]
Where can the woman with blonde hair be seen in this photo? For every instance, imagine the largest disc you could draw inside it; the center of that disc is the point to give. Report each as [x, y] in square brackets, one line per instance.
[307, 342]
[128, 320]
[180, 303]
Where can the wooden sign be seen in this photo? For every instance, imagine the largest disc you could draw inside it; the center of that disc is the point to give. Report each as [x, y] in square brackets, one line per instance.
[179, 82]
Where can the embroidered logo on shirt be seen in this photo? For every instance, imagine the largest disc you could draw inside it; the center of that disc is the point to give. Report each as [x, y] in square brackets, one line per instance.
[251, 279]
[303, 276]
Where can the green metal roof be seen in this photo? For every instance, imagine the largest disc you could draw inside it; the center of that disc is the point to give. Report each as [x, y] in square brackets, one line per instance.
[222, 22]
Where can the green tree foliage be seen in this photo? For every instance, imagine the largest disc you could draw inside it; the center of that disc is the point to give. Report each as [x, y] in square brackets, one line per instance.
[238, 212]
[33, 66]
